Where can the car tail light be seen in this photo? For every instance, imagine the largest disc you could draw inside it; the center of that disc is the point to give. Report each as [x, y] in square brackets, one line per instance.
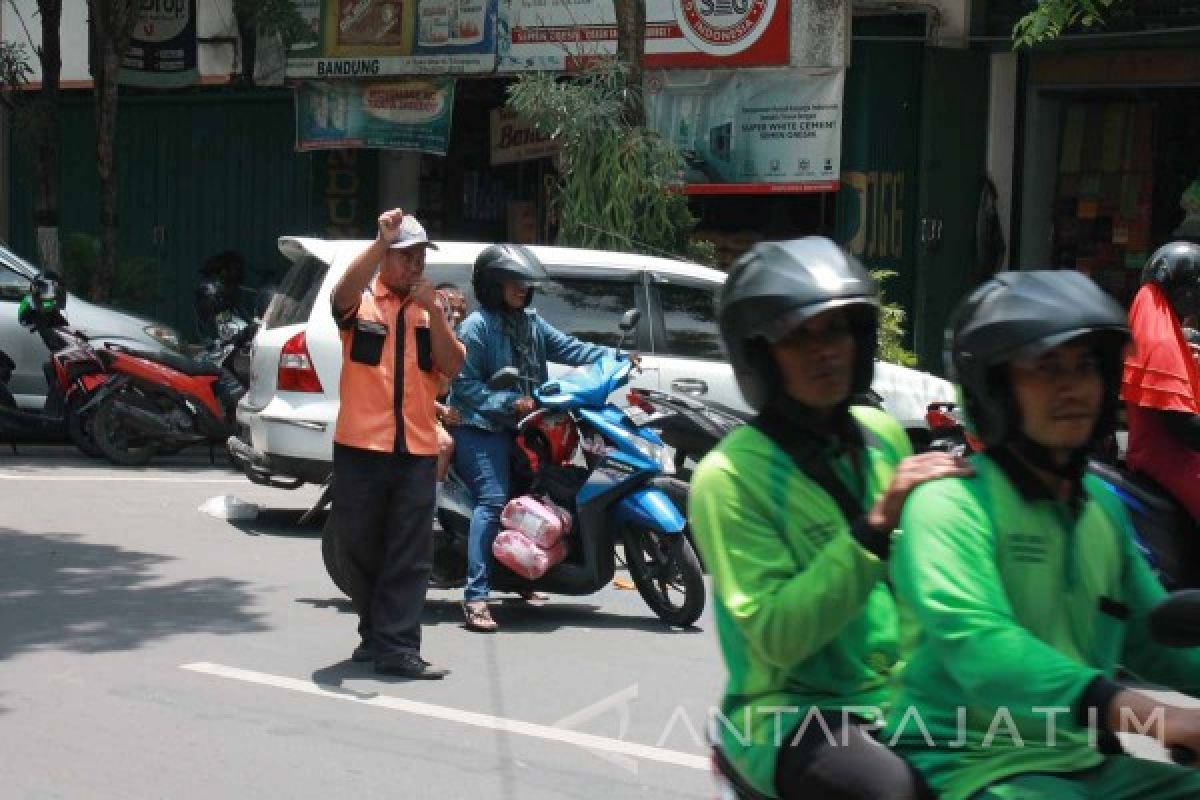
[296, 373]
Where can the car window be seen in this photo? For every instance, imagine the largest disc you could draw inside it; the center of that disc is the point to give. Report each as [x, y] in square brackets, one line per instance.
[12, 285]
[690, 320]
[294, 301]
[587, 308]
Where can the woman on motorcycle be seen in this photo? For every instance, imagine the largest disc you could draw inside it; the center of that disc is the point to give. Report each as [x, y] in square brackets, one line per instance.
[504, 332]
[795, 515]
[1161, 382]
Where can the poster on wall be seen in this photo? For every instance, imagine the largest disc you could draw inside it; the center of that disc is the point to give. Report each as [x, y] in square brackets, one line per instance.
[382, 38]
[751, 131]
[570, 34]
[162, 48]
[404, 115]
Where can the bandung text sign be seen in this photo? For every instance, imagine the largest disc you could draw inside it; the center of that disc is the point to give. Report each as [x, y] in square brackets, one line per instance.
[382, 38]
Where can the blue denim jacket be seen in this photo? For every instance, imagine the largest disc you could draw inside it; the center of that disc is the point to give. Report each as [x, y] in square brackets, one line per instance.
[489, 350]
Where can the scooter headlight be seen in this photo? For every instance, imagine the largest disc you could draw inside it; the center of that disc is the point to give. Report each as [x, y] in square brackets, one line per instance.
[660, 454]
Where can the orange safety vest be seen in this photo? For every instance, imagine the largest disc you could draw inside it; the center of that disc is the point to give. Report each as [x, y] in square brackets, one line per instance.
[369, 411]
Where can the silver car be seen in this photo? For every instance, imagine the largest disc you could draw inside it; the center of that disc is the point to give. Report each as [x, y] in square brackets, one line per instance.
[25, 348]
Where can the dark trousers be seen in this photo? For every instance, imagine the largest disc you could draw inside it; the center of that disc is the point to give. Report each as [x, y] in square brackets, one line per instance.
[845, 763]
[383, 505]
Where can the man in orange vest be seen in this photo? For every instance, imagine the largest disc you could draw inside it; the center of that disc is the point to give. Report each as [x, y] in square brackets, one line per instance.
[397, 348]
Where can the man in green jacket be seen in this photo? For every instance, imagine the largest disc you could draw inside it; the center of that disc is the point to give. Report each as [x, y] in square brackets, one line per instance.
[794, 515]
[1022, 584]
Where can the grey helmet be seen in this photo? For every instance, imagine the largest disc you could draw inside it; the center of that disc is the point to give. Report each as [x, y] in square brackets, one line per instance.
[1176, 268]
[1021, 314]
[777, 286]
[504, 262]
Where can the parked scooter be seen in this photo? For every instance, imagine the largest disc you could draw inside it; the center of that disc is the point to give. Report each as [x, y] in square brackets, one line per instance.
[162, 402]
[73, 373]
[615, 498]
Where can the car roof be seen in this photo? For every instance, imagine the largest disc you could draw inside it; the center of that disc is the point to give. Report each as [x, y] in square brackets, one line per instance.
[339, 252]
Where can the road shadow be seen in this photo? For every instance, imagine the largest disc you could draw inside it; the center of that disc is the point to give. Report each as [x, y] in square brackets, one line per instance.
[518, 617]
[514, 616]
[61, 593]
[283, 522]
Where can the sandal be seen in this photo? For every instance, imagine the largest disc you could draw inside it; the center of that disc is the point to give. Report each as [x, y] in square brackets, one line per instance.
[479, 618]
[534, 598]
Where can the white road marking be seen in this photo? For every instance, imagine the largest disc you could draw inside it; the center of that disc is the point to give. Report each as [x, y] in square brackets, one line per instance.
[119, 479]
[530, 729]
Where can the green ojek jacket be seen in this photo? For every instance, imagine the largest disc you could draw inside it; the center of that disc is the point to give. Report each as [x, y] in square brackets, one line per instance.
[804, 616]
[1017, 602]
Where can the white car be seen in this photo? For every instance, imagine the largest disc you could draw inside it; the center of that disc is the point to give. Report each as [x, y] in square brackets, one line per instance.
[287, 416]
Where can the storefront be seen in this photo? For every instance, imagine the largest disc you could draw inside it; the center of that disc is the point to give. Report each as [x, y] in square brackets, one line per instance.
[1122, 127]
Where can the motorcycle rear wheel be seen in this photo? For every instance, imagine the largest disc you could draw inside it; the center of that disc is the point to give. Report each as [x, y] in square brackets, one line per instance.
[667, 575]
[118, 444]
[331, 554]
[79, 428]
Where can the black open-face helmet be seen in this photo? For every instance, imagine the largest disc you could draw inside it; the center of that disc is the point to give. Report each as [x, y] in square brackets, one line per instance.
[777, 286]
[1021, 315]
[1176, 268]
[500, 263]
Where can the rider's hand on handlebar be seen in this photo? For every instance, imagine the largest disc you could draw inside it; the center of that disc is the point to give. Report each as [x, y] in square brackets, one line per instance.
[524, 405]
[636, 360]
[912, 472]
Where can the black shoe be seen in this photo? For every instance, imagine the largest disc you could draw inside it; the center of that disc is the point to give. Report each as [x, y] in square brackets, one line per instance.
[409, 665]
[363, 653]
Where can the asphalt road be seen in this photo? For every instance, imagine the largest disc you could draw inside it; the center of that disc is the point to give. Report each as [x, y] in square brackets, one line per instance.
[150, 650]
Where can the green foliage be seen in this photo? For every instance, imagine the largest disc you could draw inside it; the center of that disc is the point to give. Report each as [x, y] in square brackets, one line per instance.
[1052, 18]
[275, 18]
[14, 66]
[619, 187]
[135, 287]
[891, 327]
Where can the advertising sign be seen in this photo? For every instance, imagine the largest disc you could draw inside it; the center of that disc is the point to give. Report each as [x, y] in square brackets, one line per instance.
[381, 38]
[406, 115]
[570, 34]
[514, 139]
[162, 49]
[751, 132]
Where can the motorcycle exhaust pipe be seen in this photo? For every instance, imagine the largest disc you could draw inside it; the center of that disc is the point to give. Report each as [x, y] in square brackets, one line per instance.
[150, 423]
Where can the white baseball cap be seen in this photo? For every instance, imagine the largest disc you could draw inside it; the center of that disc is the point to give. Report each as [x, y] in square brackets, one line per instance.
[411, 233]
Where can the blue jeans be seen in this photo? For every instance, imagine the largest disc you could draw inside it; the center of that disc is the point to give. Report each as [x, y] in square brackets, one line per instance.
[482, 460]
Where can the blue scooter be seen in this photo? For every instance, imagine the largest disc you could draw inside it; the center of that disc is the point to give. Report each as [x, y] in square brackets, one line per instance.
[614, 498]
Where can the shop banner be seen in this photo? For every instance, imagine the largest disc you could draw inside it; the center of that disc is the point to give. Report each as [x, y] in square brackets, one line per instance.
[382, 38]
[162, 49]
[570, 34]
[406, 115]
[751, 131]
[514, 139]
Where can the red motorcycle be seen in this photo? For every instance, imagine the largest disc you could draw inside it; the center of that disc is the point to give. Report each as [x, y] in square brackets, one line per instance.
[163, 402]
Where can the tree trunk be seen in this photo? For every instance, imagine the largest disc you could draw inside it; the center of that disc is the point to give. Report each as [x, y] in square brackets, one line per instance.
[631, 44]
[45, 216]
[112, 26]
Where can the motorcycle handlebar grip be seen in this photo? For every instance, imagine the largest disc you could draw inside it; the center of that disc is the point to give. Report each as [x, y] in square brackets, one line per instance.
[1184, 756]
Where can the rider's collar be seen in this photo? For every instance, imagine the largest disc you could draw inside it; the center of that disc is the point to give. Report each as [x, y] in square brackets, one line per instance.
[790, 423]
[1017, 460]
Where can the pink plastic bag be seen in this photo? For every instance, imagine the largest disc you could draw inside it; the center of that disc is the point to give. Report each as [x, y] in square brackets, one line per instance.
[517, 551]
[540, 519]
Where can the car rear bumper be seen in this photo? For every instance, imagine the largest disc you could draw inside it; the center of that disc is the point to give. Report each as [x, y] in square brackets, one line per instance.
[286, 443]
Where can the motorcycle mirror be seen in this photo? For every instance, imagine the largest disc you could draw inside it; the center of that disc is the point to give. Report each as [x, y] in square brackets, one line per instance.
[630, 320]
[503, 379]
[1175, 622]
